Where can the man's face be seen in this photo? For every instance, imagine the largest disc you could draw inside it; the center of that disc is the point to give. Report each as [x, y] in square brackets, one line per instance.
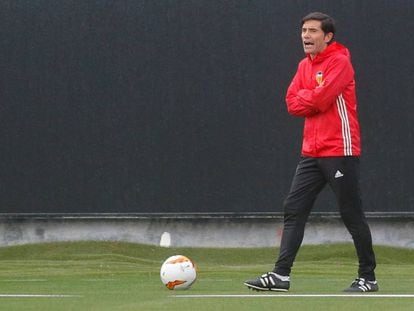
[313, 38]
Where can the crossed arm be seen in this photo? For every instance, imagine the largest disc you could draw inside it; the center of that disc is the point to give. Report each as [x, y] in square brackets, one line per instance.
[307, 102]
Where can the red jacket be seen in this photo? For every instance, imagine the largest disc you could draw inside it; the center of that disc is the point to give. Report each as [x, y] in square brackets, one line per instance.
[323, 92]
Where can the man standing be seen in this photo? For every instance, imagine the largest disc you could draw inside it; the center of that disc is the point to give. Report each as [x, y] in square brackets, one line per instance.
[323, 92]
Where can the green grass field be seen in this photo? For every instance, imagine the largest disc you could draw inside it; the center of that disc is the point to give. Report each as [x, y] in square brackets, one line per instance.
[125, 276]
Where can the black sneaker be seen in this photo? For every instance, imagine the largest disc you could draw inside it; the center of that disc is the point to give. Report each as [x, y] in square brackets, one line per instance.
[362, 286]
[268, 281]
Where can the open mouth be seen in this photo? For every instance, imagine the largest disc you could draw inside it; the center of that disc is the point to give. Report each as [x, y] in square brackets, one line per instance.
[307, 43]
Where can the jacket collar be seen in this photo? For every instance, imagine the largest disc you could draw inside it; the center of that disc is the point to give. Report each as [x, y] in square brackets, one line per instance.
[331, 49]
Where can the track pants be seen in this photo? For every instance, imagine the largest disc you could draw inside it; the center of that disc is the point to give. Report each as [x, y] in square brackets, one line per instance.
[312, 174]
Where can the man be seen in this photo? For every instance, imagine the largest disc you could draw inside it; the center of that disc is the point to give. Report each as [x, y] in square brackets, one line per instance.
[323, 92]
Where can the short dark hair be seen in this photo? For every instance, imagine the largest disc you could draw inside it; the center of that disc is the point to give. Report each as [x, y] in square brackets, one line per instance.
[327, 22]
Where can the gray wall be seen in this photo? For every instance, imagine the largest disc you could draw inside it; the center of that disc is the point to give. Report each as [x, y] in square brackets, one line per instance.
[176, 106]
[196, 231]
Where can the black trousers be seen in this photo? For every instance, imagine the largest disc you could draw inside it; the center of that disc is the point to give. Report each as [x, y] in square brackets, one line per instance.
[312, 174]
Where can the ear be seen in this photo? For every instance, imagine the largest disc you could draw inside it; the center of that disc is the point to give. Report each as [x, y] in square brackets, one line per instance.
[328, 37]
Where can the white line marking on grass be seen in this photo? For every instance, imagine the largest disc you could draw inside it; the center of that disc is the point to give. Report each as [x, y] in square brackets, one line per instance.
[98, 280]
[23, 280]
[300, 295]
[38, 296]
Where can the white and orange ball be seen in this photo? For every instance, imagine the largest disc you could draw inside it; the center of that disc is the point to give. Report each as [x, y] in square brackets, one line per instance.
[178, 272]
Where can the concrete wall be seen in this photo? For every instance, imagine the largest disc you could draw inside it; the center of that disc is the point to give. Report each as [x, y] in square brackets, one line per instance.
[195, 232]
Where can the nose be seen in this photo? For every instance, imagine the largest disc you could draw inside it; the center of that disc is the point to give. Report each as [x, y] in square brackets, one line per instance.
[305, 33]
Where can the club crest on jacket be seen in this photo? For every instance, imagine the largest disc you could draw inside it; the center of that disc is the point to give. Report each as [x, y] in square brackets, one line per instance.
[319, 78]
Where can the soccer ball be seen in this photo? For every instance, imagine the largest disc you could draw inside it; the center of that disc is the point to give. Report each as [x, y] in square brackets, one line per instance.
[178, 272]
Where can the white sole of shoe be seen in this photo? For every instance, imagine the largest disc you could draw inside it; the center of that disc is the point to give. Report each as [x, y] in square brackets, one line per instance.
[265, 289]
